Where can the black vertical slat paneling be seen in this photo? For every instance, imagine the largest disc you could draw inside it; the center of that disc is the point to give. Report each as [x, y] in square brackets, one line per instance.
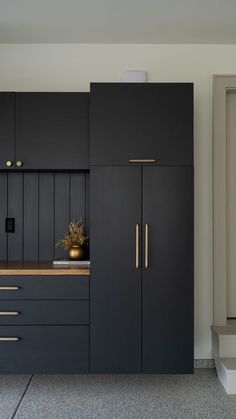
[78, 185]
[15, 210]
[30, 217]
[42, 204]
[46, 216]
[3, 215]
[62, 209]
[87, 198]
[77, 196]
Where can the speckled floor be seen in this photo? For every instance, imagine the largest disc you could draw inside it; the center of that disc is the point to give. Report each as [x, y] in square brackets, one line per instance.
[200, 396]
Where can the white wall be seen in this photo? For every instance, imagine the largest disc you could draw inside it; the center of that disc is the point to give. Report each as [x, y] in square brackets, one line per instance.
[72, 67]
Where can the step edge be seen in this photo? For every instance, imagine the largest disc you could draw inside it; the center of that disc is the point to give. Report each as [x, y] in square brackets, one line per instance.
[222, 360]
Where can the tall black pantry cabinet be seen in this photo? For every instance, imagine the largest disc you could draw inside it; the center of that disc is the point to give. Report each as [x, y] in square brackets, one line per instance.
[142, 230]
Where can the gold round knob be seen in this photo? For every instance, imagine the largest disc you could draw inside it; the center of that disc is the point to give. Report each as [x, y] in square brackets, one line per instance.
[8, 163]
[19, 163]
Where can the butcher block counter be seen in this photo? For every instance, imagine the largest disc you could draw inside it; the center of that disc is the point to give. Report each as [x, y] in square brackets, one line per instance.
[47, 268]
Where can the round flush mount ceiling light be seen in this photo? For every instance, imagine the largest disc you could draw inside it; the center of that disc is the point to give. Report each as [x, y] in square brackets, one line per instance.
[134, 76]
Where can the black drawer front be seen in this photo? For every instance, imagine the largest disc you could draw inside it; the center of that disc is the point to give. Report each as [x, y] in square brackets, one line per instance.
[44, 312]
[44, 349]
[52, 287]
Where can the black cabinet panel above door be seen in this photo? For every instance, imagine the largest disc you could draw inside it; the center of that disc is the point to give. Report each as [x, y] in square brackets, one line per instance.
[6, 130]
[141, 121]
[52, 130]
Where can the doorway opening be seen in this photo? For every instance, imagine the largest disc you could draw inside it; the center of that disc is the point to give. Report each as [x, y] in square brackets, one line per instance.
[224, 212]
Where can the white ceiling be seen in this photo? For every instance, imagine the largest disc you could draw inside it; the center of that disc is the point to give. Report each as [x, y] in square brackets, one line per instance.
[118, 21]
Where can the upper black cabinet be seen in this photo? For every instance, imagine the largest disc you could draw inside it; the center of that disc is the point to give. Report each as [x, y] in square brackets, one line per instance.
[44, 131]
[139, 121]
[6, 130]
[52, 130]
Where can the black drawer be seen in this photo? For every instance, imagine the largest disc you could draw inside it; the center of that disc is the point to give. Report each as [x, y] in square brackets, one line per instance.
[44, 312]
[44, 349]
[52, 287]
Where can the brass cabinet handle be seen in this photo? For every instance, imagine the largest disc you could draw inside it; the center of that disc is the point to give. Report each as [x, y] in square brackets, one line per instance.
[146, 246]
[9, 288]
[142, 161]
[19, 163]
[9, 338]
[137, 247]
[9, 313]
[9, 163]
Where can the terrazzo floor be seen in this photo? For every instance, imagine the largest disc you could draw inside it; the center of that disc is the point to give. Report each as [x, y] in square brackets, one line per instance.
[199, 396]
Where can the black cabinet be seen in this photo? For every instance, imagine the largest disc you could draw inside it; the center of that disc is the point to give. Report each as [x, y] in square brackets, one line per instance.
[52, 130]
[42, 312]
[44, 324]
[44, 131]
[142, 269]
[44, 349]
[6, 130]
[44, 287]
[167, 272]
[139, 121]
[115, 287]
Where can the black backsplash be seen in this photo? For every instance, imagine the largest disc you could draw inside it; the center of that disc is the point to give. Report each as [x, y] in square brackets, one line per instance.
[42, 205]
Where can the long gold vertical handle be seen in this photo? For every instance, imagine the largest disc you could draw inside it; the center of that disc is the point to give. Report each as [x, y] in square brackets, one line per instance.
[146, 246]
[137, 247]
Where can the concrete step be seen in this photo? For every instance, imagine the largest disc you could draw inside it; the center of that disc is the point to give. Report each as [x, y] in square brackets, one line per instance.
[224, 341]
[226, 370]
[224, 354]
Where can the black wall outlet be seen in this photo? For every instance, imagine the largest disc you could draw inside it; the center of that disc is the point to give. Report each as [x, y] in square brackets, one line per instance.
[10, 225]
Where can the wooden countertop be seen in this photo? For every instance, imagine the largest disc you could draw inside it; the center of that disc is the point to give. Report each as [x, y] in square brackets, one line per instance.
[47, 268]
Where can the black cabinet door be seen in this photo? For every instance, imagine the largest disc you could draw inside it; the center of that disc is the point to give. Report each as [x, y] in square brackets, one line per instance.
[52, 130]
[115, 285]
[44, 349]
[167, 283]
[6, 129]
[141, 121]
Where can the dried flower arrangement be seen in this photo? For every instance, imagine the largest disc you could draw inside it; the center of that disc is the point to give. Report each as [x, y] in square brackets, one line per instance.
[75, 235]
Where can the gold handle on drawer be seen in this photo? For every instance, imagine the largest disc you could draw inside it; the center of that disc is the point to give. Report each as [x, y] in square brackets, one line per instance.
[146, 245]
[19, 163]
[9, 163]
[9, 313]
[9, 339]
[137, 246]
[9, 288]
[142, 161]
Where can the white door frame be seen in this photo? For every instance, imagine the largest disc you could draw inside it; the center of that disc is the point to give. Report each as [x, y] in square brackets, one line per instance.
[221, 85]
